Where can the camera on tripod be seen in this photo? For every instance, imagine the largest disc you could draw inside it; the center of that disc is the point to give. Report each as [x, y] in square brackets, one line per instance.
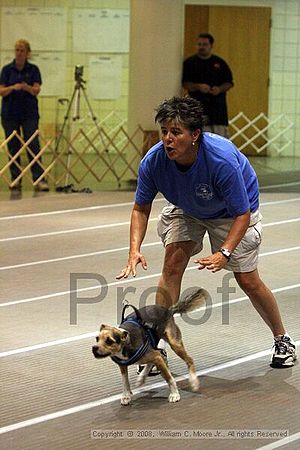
[78, 73]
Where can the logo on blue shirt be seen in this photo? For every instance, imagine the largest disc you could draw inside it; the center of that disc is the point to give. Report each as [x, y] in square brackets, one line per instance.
[204, 191]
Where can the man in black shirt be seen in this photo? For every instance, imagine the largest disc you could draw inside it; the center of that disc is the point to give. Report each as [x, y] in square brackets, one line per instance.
[207, 78]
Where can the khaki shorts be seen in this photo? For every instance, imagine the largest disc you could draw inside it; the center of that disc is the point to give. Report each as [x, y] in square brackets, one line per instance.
[176, 226]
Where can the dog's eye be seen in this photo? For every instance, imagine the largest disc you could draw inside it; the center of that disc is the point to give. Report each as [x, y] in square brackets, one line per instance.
[109, 341]
[97, 338]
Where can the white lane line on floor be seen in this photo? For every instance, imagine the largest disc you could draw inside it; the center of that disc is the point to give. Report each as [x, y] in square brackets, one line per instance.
[66, 211]
[31, 348]
[113, 398]
[73, 230]
[100, 252]
[281, 222]
[124, 281]
[86, 208]
[120, 282]
[271, 186]
[81, 255]
[111, 225]
[281, 442]
[116, 205]
[279, 202]
[79, 337]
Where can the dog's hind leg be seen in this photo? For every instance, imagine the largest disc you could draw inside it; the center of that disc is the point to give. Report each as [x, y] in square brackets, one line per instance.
[173, 336]
[126, 394]
[158, 360]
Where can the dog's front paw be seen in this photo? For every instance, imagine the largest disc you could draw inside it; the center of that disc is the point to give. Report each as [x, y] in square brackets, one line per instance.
[174, 397]
[126, 399]
[194, 383]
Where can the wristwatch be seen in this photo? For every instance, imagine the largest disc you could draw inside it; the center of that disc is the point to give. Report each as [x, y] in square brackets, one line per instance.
[226, 253]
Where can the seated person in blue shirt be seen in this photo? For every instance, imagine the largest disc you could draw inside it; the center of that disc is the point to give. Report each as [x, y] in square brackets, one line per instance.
[20, 83]
[211, 187]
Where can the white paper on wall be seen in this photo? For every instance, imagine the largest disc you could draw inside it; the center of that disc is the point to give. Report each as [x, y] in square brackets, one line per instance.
[53, 70]
[101, 30]
[44, 28]
[105, 77]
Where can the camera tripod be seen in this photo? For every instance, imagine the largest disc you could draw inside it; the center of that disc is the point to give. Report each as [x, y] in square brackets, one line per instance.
[75, 103]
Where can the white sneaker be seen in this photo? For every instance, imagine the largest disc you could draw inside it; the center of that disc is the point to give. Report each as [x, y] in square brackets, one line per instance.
[283, 352]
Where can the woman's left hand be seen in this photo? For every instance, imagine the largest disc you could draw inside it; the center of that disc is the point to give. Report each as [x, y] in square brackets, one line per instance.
[214, 263]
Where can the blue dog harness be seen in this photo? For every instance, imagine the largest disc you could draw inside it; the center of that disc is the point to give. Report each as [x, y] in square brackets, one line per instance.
[151, 338]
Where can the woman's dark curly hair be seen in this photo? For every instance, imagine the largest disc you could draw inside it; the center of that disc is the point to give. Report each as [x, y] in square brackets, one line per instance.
[185, 110]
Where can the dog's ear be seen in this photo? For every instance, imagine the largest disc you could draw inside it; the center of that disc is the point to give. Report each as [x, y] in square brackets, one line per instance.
[102, 327]
[124, 335]
[120, 336]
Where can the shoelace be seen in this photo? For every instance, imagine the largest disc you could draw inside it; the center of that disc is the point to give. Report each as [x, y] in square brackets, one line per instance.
[283, 345]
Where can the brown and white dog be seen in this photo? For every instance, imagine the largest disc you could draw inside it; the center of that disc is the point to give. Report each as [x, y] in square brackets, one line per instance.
[129, 339]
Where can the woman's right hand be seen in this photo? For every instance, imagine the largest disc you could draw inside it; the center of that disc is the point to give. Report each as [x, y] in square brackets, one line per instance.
[18, 87]
[130, 268]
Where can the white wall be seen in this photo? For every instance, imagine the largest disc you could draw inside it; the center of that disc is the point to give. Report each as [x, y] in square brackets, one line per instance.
[155, 58]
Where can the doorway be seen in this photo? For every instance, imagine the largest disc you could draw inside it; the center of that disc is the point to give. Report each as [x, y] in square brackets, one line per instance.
[242, 38]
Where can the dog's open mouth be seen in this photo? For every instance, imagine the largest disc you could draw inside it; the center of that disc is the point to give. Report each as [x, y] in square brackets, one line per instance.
[96, 353]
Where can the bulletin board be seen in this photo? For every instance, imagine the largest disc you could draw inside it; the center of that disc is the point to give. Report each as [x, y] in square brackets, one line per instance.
[44, 28]
[105, 77]
[101, 30]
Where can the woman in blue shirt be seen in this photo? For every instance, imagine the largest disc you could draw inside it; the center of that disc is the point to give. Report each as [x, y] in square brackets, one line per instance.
[211, 187]
[20, 83]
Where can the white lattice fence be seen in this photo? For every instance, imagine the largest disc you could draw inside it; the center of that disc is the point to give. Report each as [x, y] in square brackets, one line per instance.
[106, 150]
[261, 133]
[98, 154]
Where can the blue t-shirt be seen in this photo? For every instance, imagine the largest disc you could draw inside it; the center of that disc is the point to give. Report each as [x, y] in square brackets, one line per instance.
[20, 105]
[220, 183]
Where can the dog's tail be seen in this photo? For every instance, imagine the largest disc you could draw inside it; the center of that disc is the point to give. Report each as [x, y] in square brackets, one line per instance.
[190, 302]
